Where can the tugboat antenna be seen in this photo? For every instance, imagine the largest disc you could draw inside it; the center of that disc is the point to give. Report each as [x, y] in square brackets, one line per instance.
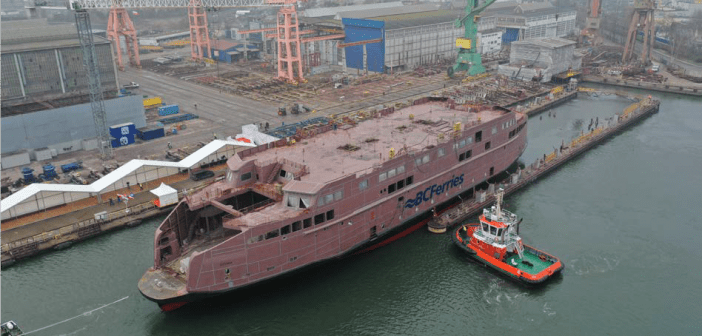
[498, 202]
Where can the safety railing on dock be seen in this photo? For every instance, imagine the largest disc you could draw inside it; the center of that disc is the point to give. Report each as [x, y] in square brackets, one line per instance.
[81, 226]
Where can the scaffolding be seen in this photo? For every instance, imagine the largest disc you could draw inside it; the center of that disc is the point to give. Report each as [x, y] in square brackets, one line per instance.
[97, 103]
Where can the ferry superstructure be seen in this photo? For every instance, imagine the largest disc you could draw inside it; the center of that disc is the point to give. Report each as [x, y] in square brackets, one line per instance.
[325, 193]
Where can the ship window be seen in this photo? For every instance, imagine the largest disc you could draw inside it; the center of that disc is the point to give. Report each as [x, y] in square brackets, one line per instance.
[494, 129]
[400, 184]
[479, 136]
[319, 219]
[330, 214]
[493, 230]
[329, 198]
[229, 175]
[391, 173]
[441, 152]
[418, 161]
[246, 176]
[338, 195]
[293, 201]
[462, 157]
[409, 180]
[425, 159]
[307, 222]
[297, 226]
[487, 145]
[499, 232]
[485, 227]
[304, 202]
[285, 230]
[391, 188]
[401, 169]
[469, 140]
[462, 143]
[282, 173]
[382, 177]
[272, 234]
[320, 201]
[492, 171]
[363, 185]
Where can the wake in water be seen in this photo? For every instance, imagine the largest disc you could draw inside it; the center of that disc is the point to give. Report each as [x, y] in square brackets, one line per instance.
[593, 265]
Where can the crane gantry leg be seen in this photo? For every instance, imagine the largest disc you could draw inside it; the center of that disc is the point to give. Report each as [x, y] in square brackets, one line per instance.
[642, 18]
[289, 53]
[199, 34]
[119, 24]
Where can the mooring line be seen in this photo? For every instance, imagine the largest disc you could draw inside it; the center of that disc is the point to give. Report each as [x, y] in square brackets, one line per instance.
[75, 317]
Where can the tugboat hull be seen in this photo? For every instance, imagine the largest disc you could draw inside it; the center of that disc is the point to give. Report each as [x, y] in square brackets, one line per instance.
[546, 265]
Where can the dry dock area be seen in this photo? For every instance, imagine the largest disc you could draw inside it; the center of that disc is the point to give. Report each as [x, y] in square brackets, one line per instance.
[550, 162]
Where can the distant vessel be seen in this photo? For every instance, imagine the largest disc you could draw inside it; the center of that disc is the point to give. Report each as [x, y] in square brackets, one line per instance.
[495, 242]
[10, 328]
[327, 192]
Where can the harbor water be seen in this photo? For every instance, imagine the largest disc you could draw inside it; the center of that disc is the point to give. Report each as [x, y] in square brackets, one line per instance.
[622, 217]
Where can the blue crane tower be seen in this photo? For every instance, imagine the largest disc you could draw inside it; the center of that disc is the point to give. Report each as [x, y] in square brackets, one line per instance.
[468, 55]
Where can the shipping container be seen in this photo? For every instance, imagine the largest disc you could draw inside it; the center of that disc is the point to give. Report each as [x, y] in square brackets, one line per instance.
[179, 118]
[150, 133]
[117, 131]
[15, 159]
[168, 109]
[152, 102]
[124, 140]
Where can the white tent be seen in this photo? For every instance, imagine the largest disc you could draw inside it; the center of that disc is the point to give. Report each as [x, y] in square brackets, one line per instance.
[166, 195]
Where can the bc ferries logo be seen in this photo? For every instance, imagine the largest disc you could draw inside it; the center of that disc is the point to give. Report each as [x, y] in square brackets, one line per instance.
[438, 189]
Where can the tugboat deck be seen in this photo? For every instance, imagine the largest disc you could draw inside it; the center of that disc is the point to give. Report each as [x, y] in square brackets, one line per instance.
[538, 264]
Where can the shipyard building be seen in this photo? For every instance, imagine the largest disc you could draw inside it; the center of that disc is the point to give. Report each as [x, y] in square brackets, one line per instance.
[45, 101]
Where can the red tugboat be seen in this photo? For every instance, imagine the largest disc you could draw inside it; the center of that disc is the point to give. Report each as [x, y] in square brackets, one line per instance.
[496, 243]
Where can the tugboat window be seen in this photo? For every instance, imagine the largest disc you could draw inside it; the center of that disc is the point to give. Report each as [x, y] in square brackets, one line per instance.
[382, 177]
[400, 184]
[479, 136]
[401, 169]
[409, 180]
[469, 154]
[487, 145]
[330, 214]
[297, 226]
[462, 157]
[391, 188]
[338, 195]
[499, 232]
[485, 227]
[307, 222]
[282, 173]
[493, 230]
[441, 152]
[246, 176]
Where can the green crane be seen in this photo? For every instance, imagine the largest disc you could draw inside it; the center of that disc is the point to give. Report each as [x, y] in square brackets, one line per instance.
[468, 55]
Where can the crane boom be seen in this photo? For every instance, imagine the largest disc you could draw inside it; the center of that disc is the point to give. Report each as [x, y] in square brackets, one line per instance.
[468, 56]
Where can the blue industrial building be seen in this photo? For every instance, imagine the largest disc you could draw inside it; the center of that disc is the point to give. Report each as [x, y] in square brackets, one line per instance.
[230, 51]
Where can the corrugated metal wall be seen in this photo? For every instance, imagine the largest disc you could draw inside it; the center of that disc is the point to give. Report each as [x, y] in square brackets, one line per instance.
[41, 75]
[361, 30]
[69, 124]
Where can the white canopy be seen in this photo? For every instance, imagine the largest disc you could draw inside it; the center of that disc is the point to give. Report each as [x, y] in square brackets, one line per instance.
[166, 195]
[163, 190]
